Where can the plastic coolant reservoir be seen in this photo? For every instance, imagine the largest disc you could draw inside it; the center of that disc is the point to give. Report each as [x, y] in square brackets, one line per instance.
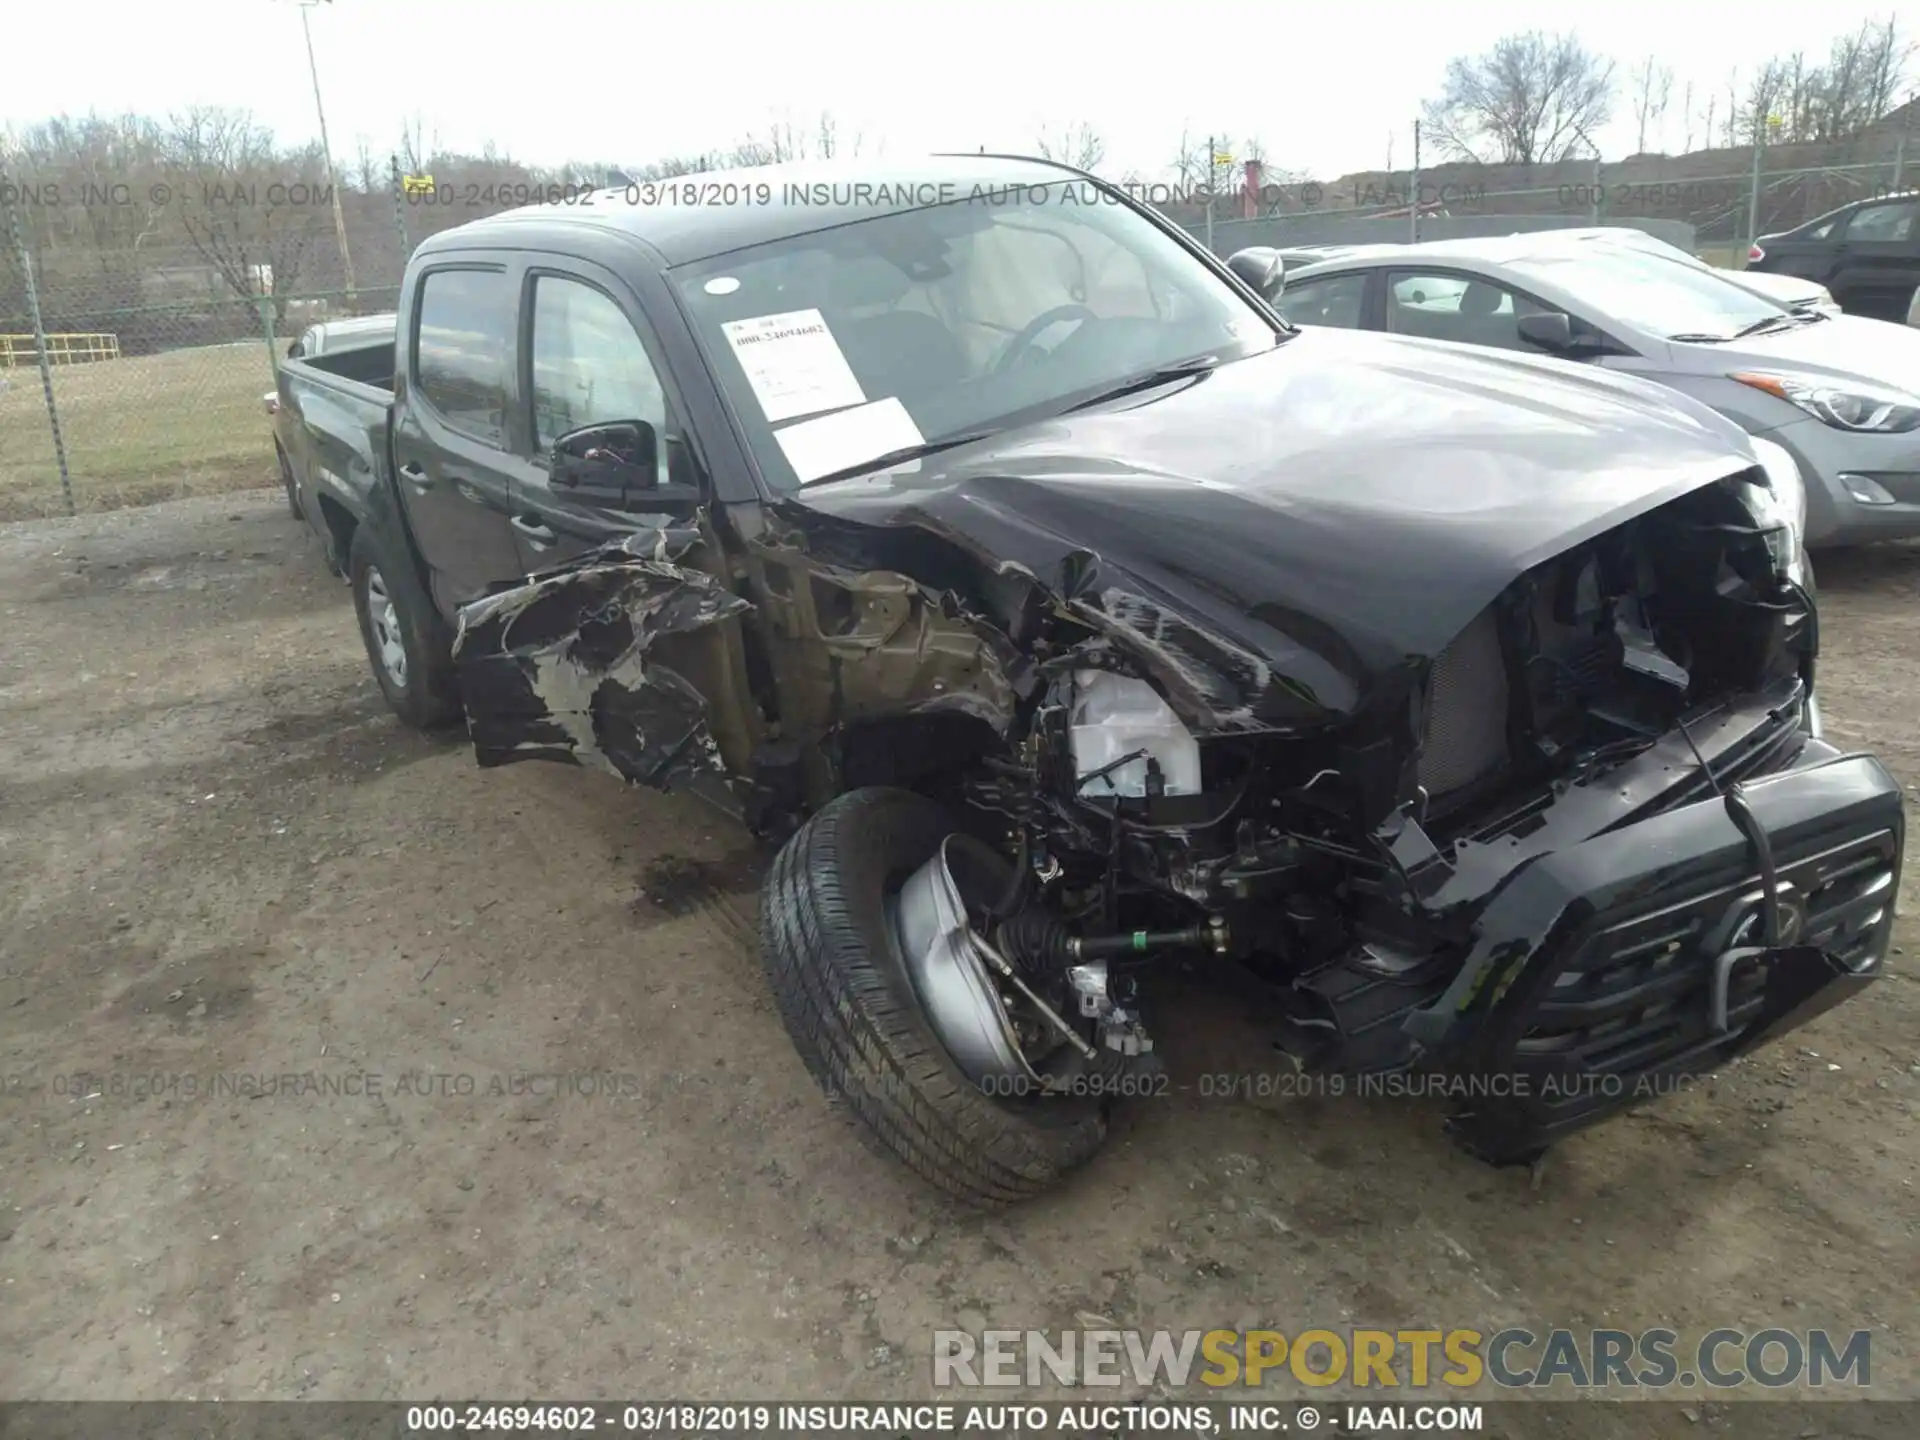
[1115, 715]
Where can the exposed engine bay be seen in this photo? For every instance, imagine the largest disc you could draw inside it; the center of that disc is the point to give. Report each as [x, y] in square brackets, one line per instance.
[1131, 790]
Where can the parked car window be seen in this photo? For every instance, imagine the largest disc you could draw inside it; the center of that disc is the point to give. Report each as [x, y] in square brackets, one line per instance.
[1894, 221]
[461, 353]
[589, 366]
[1327, 300]
[1823, 230]
[1461, 309]
[1650, 294]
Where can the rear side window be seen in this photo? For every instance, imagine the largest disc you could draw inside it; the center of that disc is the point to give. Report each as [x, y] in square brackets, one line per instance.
[463, 350]
[1334, 300]
[1884, 222]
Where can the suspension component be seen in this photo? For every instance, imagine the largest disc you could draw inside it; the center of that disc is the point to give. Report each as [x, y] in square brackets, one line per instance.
[1211, 936]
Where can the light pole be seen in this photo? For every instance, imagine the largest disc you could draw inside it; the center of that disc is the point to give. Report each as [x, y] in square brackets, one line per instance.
[326, 149]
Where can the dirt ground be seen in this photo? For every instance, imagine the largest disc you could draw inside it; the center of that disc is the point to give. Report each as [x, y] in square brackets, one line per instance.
[221, 860]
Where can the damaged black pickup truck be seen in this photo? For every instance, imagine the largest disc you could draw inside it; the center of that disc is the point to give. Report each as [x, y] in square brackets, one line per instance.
[1067, 614]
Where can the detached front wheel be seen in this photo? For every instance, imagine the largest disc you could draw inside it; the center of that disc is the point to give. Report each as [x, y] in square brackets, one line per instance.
[832, 950]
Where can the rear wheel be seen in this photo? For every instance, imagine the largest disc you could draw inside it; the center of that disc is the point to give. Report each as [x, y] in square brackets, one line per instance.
[407, 642]
[834, 957]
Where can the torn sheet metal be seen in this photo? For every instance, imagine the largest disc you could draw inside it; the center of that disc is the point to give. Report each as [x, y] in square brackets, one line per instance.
[560, 667]
[1285, 559]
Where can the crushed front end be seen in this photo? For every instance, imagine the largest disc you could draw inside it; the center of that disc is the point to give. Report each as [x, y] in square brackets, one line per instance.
[1590, 848]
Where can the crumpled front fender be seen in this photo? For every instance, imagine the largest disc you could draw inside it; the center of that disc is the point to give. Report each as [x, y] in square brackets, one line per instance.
[561, 666]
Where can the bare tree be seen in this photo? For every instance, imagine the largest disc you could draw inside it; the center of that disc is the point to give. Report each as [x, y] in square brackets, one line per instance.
[1652, 87]
[1196, 170]
[1686, 120]
[784, 141]
[1078, 145]
[418, 145]
[1531, 99]
[1792, 102]
[222, 162]
[668, 166]
[368, 175]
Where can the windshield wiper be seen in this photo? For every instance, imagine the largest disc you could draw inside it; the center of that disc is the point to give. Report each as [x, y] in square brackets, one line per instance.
[1165, 374]
[899, 457]
[1764, 325]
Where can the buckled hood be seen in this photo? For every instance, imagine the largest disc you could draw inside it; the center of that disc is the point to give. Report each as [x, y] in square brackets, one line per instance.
[1288, 529]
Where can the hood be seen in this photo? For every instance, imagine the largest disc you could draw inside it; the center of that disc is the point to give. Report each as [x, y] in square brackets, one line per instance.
[1785, 289]
[1843, 347]
[1291, 529]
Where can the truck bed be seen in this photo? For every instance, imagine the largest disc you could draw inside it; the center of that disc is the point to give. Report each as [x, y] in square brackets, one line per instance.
[332, 425]
[367, 367]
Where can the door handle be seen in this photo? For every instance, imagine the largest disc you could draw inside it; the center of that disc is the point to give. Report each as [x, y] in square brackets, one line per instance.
[415, 475]
[533, 529]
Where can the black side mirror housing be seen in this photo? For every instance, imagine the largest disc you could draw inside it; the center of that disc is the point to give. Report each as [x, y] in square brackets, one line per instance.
[608, 462]
[1261, 267]
[1551, 331]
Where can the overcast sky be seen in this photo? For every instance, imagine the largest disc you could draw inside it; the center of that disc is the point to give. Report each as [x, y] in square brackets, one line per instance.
[1324, 86]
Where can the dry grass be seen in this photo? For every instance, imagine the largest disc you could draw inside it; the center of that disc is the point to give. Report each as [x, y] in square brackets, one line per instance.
[156, 427]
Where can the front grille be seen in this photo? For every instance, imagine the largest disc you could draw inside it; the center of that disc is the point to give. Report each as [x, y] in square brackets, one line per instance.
[1634, 996]
[1464, 734]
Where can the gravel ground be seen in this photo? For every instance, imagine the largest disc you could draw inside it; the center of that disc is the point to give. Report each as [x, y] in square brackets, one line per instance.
[220, 859]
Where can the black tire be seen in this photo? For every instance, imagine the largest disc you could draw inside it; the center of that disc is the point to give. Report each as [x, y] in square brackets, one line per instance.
[852, 1014]
[287, 482]
[393, 609]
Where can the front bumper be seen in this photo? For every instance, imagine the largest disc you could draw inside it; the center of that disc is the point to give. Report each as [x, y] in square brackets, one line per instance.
[1829, 458]
[1607, 973]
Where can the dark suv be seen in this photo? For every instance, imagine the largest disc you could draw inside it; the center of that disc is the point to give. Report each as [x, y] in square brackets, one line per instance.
[1866, 253]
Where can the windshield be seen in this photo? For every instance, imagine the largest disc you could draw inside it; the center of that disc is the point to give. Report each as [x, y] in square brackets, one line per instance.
[1654, 294]
[843, 345]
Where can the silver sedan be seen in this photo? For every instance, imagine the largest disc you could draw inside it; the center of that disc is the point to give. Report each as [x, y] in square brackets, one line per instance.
[1840, 393]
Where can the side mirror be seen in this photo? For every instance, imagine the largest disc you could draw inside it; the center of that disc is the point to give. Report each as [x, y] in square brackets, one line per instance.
[1262, 268]
[606, 462]
[1550, 331]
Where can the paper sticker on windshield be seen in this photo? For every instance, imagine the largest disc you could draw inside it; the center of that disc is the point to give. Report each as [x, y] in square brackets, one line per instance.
[833, 442]
[793, 364]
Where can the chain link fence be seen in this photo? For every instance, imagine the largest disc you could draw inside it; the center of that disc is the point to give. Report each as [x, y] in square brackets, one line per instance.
[140, 323]
[1721, 198]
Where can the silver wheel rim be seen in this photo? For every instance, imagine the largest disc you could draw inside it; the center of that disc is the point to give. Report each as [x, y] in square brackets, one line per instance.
[386, 628]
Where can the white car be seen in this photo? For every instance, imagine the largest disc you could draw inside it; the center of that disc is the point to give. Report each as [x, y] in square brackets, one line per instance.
[1789, 290]
[1913, 308]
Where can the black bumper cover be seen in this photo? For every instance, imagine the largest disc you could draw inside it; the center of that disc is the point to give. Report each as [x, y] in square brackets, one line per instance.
[1606, 974]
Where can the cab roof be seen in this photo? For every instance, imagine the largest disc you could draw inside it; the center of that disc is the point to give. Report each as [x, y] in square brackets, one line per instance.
[696, 217]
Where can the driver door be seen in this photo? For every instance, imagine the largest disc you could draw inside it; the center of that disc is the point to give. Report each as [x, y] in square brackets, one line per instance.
[585, 363]
[621, 649]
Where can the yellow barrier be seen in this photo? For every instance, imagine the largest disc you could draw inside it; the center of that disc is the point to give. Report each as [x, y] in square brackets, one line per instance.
[62, 349]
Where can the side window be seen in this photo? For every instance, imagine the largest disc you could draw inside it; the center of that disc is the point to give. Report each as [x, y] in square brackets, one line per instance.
[462, 349]
[1825, 231]
[589, 366]
[1331, 300]
[1884, 222]
[1457, 308]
